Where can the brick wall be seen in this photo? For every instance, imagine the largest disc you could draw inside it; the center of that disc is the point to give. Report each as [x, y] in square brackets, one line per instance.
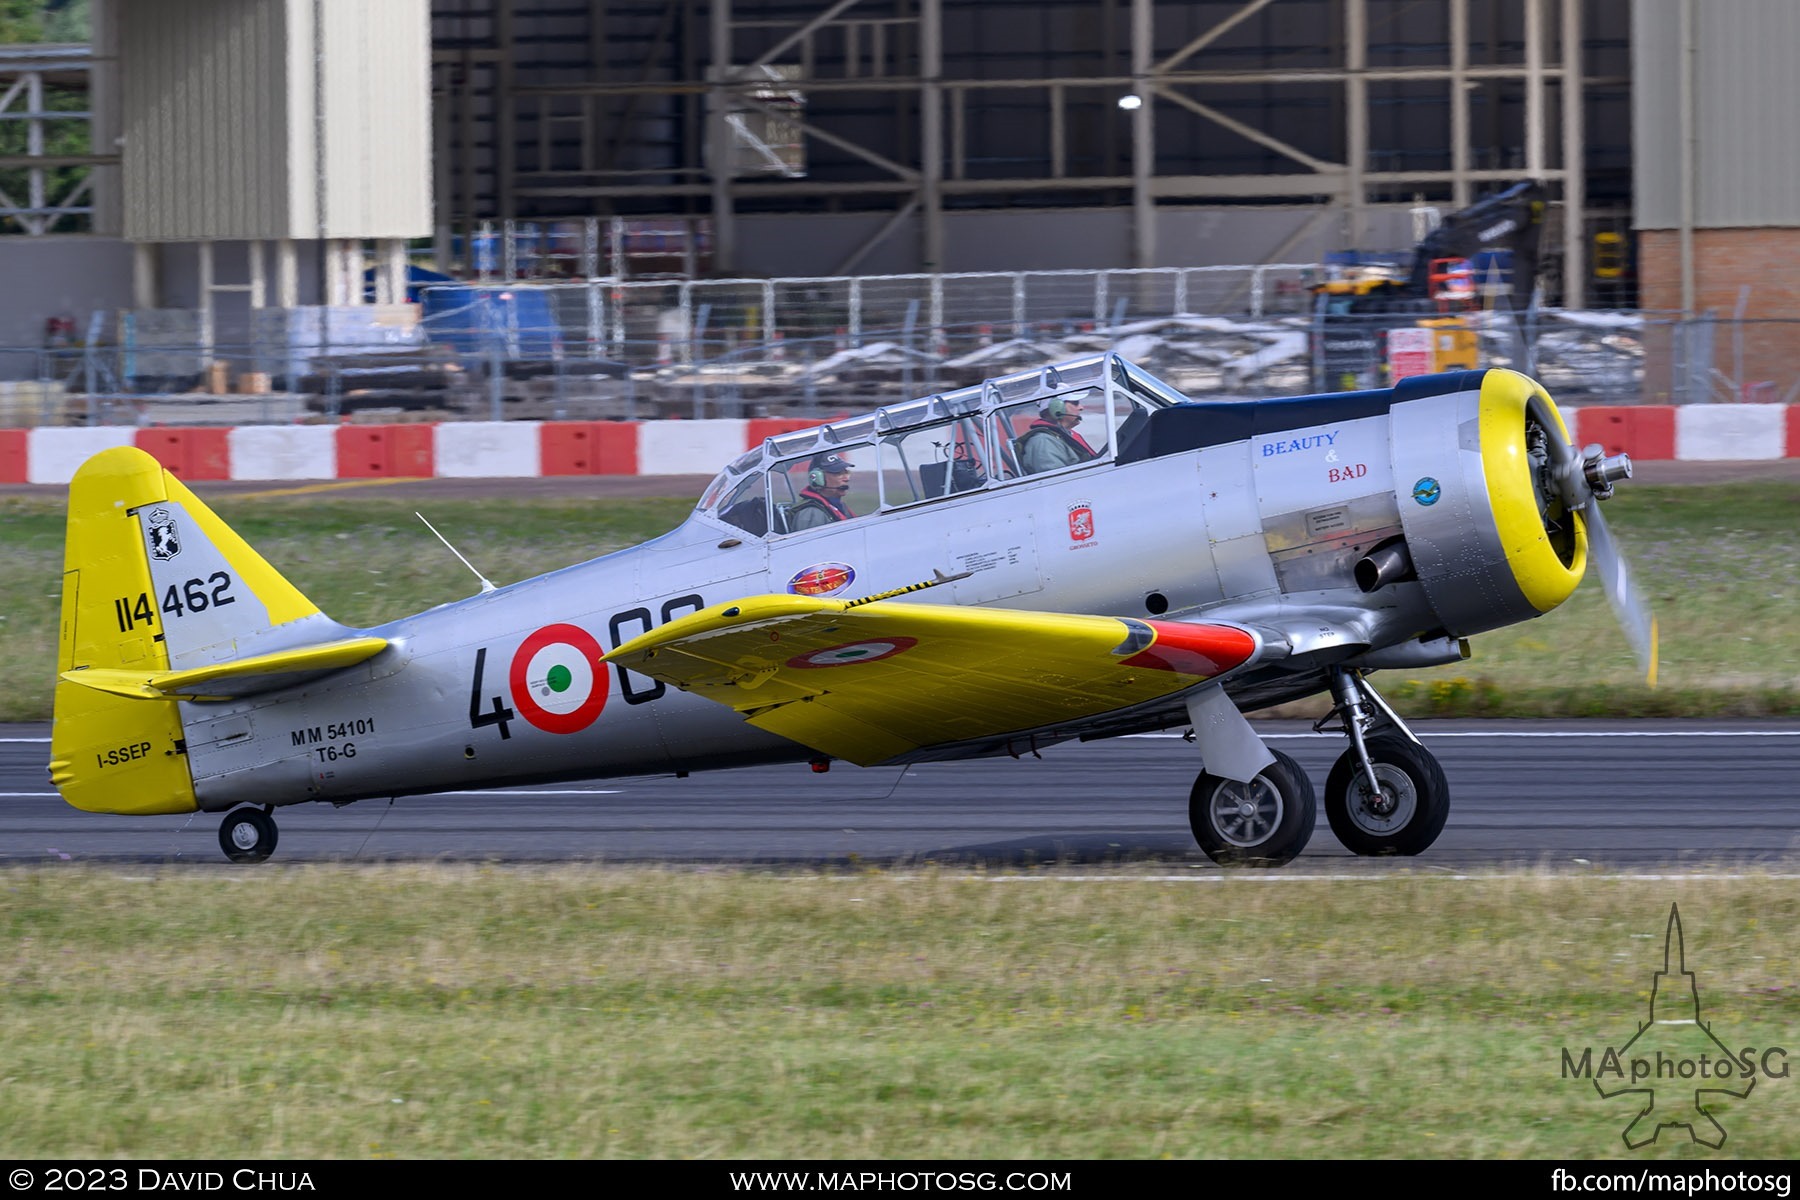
[1725, 261]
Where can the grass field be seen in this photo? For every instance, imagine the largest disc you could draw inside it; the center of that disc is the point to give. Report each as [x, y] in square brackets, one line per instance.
[1720, 564]
[437, 1012]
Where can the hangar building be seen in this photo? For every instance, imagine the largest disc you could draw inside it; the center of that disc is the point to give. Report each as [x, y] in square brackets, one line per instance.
[246, 154]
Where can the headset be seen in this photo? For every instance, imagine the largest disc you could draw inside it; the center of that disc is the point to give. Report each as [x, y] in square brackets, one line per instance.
[1054, 407]
[816, 476]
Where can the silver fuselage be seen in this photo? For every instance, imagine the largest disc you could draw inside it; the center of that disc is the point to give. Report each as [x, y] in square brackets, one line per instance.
[1251, 529]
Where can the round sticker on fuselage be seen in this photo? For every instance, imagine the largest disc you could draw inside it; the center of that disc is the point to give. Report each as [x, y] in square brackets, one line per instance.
[557, 681]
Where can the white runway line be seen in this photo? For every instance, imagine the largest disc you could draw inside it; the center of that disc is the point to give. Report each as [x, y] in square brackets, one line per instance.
[1430, 735]
[523, 792]
[544, 792]
[1473, 733]
[1205, 875]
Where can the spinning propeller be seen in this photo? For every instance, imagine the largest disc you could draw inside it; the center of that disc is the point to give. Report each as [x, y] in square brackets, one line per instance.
[1577, 481]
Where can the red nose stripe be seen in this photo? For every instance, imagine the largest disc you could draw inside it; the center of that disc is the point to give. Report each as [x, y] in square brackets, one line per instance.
[1199, 650]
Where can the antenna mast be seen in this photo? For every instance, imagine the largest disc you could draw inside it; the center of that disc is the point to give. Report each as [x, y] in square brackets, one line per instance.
[486, 584]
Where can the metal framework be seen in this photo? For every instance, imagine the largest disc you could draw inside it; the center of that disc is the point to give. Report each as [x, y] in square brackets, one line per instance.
[707, 110]
[52, 190]
[719, 104]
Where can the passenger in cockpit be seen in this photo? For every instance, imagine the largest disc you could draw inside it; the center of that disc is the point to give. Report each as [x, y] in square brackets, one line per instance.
[1051, 441]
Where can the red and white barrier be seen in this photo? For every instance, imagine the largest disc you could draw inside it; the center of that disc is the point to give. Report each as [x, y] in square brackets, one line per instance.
[488, 450]
[1706, 431]
[528, 449]
[51, 455]
[277, 452]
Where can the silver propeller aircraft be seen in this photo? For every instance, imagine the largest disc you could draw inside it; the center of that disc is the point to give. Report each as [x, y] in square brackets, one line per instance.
[1076, 551]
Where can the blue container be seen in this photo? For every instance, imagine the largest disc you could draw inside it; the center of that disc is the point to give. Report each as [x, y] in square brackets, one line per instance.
[417, 280]
[512, 322]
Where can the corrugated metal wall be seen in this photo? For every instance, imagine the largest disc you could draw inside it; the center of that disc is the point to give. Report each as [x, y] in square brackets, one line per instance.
[1746, 112]
[265, 119]
[203, 118]
[376, 73]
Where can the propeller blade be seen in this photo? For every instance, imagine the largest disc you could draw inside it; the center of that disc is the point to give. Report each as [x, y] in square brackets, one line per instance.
[1622, 593]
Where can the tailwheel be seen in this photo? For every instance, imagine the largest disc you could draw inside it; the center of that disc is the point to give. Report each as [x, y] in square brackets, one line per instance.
[1408, 814]
[248, 835]
[1263, 823]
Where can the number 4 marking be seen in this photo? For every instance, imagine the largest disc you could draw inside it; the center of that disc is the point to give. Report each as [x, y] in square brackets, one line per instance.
[499, 715]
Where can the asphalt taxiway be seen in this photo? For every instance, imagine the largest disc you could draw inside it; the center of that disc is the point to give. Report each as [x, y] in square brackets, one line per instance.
[1588, 795]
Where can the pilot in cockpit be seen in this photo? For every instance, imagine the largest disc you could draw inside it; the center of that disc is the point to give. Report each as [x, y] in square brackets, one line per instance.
[822, 500]
[1051, 441]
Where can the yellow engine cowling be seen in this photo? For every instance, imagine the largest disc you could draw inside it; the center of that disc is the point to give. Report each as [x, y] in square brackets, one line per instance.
[1487, 533]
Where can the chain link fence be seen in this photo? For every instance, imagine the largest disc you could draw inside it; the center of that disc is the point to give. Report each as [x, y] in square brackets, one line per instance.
[638, 349]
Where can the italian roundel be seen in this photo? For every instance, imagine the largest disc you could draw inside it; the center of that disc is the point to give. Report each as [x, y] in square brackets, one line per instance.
[854, 652]
[558, 682]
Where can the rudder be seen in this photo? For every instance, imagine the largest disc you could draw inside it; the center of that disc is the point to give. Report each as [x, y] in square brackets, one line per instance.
[152, 580]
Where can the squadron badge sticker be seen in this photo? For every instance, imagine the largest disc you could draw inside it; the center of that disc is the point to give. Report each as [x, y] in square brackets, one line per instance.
[165, 539]
[1081, 521]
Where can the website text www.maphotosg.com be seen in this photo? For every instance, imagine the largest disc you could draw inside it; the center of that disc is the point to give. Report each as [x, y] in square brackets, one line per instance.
[1680, 1183]
[902, 1181]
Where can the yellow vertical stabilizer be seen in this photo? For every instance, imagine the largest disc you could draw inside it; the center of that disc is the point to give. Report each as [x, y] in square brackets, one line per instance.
[207, 598]
[156, 586]
[108, 753]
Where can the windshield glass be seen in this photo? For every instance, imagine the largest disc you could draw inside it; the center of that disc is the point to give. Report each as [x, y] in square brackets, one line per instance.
[931, 461]
[823, 489]
[1044, 420]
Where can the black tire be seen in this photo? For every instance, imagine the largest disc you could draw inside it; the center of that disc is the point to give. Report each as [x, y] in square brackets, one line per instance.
[1264, 823]
[248, 835]
[1415, 799]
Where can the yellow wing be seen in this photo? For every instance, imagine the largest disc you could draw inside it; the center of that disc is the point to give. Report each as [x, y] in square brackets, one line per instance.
[872, 681]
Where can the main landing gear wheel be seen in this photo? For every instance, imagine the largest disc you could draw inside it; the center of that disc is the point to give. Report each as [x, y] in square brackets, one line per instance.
[248, 835]
[1410, 812]
[1263, 823]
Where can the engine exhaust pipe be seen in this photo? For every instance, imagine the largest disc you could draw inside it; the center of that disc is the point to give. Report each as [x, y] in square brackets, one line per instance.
[1387, 563]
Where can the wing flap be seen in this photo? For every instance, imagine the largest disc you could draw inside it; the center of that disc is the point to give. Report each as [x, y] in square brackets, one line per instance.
[870, 681]
[229, 680]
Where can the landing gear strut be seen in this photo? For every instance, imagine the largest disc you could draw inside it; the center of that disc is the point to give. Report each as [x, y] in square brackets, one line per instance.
[248, 835]
[1386, 794]
[1263, 823]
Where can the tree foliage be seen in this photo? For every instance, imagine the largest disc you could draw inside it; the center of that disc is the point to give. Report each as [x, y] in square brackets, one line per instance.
[67, 21]
[29, 21]
[21, 21]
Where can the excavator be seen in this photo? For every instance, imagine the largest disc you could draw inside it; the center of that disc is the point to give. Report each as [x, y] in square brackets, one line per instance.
[1359, 316]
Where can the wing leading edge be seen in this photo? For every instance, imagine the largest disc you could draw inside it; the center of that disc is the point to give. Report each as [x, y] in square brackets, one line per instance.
[875, 681]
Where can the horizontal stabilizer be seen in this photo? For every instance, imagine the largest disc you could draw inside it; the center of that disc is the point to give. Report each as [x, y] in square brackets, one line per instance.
[238, 677]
